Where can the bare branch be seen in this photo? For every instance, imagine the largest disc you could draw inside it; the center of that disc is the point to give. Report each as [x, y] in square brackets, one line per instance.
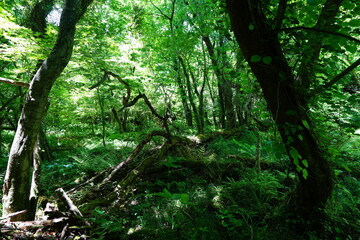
[13, 214]
[161, 12]
[9, 101]
[12, 82]
[336, 79]
[322, 31]
[128, 89]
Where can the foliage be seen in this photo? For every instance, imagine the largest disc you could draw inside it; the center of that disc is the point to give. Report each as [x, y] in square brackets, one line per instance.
[142, 42]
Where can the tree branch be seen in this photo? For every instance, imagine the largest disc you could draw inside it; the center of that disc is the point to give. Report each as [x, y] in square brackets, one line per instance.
[161, 12]
[128, 89]
[335, 79]
[322, 31]
[12, 82]
[9, 101]
[101, 81]
[280, 14]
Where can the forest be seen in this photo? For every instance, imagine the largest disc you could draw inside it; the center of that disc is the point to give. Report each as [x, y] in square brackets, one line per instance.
[180, 119]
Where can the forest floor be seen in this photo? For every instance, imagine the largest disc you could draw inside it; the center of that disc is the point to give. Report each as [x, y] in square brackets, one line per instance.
[213, 186]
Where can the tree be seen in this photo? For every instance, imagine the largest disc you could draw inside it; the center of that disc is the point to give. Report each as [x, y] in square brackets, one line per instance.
[262, 49]
[17, 184]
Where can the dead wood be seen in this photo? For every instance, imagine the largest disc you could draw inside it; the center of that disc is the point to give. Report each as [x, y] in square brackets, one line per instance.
[74, 211]
[91, 180]
[119, 193]
[13, 214]
[137, 150]
[44, 229]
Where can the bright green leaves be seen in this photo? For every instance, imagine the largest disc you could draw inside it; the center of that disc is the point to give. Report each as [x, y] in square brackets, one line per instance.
[257, 58]
[295, 155]
[305, 173]
[306, 124]
[305, 163]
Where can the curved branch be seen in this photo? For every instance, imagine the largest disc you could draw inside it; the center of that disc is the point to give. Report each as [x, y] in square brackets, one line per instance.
[12, 82]
[322, 31]
[128, 89]
[148, 103]
[101, 81]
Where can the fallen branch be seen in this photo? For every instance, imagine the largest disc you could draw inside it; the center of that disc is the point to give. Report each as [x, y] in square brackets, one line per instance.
[74, 211]
[13, 214]
[137, 150]
[91, 180]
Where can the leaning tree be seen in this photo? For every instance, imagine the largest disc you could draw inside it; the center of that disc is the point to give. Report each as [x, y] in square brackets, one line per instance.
[23, 155]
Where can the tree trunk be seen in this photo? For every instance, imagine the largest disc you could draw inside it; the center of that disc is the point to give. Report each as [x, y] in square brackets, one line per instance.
[183, 96]
[258, 40]
[17, 182]
[191, 97]
[227, 86]
[227, 112]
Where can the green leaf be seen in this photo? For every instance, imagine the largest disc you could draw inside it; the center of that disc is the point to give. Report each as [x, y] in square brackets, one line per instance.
[291, 112]
[300, 137]
[305, 173]
[294, 154]
[346, 167]
[305, 163]
[255, 58]
[251, 27]
[184, 198]
[267, 60]
[306, 124]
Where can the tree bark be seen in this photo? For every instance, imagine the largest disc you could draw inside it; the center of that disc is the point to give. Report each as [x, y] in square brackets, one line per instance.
[227, 112]
[183, 96]
[191, 97]
[17, 182]
[256, 39]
